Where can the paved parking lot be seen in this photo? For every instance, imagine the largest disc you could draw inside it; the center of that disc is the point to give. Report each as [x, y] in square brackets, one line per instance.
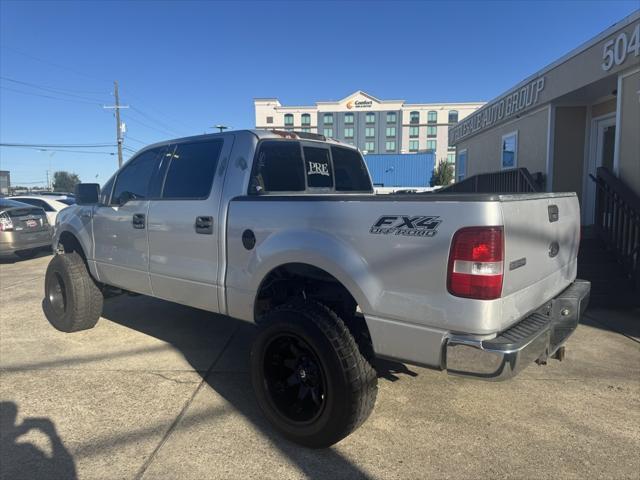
[158, 390]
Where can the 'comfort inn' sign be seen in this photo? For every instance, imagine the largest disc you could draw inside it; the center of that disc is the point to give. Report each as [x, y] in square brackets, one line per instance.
[511, 104]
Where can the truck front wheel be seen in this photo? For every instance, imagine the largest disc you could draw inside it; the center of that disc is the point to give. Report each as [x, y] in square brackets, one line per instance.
[72, 300]
[309, 376]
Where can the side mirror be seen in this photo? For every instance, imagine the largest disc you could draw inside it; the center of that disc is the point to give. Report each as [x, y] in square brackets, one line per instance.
[87, 193]
[125, 197]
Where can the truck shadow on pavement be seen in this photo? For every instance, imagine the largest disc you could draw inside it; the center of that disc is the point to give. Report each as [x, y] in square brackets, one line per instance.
[21, 459]
[192, 332]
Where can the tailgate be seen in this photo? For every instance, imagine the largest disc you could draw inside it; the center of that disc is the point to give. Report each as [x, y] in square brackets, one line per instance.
[541, 235]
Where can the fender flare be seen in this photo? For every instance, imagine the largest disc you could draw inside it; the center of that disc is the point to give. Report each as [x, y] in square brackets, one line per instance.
[320, 250]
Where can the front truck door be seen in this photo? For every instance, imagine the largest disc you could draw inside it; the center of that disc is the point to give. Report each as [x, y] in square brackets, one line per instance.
[184, 231]
[120, 224]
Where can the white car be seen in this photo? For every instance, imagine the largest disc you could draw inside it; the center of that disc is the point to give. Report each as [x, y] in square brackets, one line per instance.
[51, 205]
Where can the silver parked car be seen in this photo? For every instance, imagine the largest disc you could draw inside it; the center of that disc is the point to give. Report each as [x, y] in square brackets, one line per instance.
[23, 228]
[51, 205]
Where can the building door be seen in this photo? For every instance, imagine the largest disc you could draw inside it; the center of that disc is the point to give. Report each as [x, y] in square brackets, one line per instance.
[601, 154]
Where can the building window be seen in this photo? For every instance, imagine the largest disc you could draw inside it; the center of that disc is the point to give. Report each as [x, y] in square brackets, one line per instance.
[414, 117]
[328, 118]
[451, 157]
[348, 132]
[431, 131]
[328, 132]
[306, 119]
[461, 165]
[453, 116]
[288, 120]
[391, 117]
[510, 150]
[269, 119]
[305, 129]
[371, 118]
[370, 147]
[390, 146]
[391, 131]
[431, 145]
[414, 132]
[432, 116]
[370, 132]
[451, 149]
[348, 118]
[413, 145]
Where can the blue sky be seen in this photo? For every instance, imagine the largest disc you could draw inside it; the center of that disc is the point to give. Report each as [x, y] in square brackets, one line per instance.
[185, 66]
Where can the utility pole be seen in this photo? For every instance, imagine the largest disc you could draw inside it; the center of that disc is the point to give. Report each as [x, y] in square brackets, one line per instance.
[117, 108]
[48, 180]
[118, 126]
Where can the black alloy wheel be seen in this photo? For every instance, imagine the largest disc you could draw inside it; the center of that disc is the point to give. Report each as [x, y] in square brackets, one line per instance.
[294, 378]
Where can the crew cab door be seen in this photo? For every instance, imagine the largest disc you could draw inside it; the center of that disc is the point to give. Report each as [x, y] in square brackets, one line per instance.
[120, 223]
[183, 224]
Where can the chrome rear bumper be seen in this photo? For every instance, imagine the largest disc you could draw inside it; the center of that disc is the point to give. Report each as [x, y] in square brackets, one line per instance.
[536, 337]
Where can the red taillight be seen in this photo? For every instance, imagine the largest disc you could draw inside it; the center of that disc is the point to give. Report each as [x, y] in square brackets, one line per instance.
[476, 263]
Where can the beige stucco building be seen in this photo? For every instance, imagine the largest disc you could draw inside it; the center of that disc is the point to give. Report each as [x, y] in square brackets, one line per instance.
[372, 124]
[579, 113]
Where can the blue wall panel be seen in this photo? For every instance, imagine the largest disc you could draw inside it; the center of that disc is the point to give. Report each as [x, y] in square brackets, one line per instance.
[402, 170]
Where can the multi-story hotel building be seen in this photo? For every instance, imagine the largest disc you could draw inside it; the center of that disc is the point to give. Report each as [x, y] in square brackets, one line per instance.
[371, 124]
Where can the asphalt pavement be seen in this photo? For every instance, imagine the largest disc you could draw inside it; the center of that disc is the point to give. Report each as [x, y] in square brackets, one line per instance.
[161, 391]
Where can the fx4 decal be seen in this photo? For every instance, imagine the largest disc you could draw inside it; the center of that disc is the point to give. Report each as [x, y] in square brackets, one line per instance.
[412, 226]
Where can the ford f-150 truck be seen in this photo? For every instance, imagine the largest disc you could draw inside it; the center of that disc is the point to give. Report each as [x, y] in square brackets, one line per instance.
[283, 229]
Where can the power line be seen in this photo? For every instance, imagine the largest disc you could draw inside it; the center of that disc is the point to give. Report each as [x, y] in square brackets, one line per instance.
[96, 102]
[59, 145]
[128, 137]
[160, 112]
[40, 149]
[162, 131]
[63, 67]
[162, 124]
[59, 91]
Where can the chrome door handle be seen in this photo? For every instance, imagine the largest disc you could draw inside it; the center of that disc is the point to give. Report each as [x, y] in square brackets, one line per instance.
[204, 225]
[138, 220]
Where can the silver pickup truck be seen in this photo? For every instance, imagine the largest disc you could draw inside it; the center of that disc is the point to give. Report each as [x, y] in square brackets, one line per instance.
[283, 229]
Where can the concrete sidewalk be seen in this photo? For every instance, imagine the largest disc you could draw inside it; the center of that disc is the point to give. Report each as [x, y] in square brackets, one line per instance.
[158, 391]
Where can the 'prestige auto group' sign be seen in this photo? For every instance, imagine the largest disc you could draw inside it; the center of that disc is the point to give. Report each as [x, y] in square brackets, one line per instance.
[508, 106]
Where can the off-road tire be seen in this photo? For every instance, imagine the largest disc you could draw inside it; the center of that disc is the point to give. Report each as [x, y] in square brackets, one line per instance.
[351, 382]
[82, 299]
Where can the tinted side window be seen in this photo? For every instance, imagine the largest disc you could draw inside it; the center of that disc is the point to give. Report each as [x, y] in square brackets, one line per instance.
[318, 167]
[278, 168]
[134, 180]
[192, 168]
[350, 171]
[105, 193]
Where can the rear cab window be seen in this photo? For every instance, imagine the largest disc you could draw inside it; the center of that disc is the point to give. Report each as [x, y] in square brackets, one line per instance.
[287, 166]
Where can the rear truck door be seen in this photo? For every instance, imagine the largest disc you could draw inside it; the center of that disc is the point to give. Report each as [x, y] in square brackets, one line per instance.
[184, 227]
[541, 235]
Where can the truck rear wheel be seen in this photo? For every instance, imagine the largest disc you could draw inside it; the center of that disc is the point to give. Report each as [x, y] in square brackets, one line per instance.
[309, 376]
[72, 300]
